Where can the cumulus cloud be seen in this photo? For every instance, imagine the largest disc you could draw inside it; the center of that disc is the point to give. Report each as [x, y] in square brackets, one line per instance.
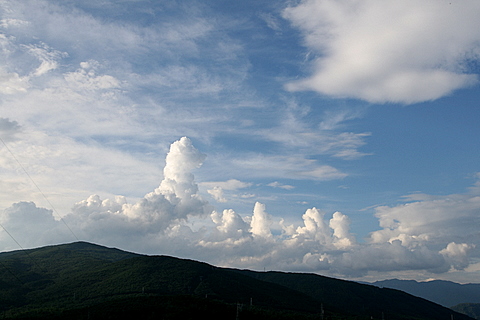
[217, 194]
[452, 218]
[176, 198]
[315, 227]
[457, 254]
[12, 82]
[159, 223]
[388, 51]
[261, 222]
[216, 189]
[433, 234]
[30, 224]
[340, 225]
[230, 225]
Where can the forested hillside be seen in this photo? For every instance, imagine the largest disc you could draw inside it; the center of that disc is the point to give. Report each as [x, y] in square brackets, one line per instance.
[87, 281]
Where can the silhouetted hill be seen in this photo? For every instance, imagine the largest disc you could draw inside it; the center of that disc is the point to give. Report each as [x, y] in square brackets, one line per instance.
[350, 296]
[445, 293]
[87, 281]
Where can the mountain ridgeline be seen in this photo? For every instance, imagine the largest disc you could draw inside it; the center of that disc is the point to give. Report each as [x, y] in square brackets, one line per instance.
[464, 298]
[446, 293]
[87, 281]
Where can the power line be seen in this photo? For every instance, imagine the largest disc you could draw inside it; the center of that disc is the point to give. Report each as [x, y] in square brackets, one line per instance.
[23, 250]
[18, 244]
[41, 192]
[11, 236]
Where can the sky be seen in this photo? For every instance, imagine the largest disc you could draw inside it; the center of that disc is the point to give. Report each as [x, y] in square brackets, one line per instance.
[322, 136]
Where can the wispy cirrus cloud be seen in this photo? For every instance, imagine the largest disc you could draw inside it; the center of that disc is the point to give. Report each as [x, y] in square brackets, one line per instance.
[277, 184]
[128, 88]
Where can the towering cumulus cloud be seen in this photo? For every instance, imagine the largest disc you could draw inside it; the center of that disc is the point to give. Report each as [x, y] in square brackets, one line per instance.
[178, 190]
[175, 219]
[175, 200]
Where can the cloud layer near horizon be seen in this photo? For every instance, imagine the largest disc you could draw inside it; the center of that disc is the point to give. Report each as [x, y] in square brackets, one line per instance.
[388, 51]
[421, 235]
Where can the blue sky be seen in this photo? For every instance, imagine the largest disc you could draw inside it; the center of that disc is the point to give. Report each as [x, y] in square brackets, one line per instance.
[320, 136]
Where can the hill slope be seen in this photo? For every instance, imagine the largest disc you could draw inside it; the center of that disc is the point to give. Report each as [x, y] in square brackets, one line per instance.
[470, 309]
[80, 279]
[350, 296]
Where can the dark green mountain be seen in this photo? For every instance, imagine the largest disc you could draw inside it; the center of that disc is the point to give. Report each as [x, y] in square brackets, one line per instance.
[87, 281]
[350, 296]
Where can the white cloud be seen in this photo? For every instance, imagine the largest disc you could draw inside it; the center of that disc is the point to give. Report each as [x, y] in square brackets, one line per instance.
[86, 79]
[340, 225]
[448, 218]
[315, 227]
[261, 222]
[67, 170]
[388, 257]
[178, 185]
[335, 119]
[12, 82]
[388, 51]
[230, 224]
[232, 184]
[48, 58]
[458, 254]
[121, 88]
[217, 188]
[296, 133]
[422, 235]
[277, 184]
[30, 225]
[6, 23]
[105, 85]
[289, 167]
[217, 194]
[322, 173]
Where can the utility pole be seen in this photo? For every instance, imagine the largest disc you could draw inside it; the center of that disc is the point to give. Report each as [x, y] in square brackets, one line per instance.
[239, 308]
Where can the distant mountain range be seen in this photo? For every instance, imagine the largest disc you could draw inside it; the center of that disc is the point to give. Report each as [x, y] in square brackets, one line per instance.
[87, 281]
[445, 293]
[463, 298]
